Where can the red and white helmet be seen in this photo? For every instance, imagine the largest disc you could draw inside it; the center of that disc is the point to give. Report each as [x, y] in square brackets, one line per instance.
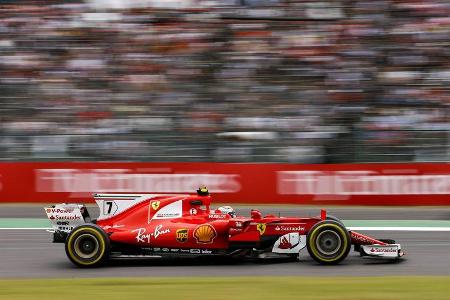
[227, 210]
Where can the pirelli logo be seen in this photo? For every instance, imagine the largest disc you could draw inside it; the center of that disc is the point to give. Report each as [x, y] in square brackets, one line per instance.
[182, 235]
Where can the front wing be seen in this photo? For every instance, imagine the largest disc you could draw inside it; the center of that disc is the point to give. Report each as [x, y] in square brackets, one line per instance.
[371, 247]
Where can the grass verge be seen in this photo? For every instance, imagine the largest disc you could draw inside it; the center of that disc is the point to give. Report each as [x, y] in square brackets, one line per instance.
[218, 288]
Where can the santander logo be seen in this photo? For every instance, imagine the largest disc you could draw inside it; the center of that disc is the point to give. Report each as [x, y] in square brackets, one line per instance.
[383, 250]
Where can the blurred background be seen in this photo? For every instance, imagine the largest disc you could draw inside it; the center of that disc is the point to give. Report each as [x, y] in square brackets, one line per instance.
[232, 81]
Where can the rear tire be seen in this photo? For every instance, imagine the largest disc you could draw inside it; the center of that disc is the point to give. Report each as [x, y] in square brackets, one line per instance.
[87, 245]
[328, 242]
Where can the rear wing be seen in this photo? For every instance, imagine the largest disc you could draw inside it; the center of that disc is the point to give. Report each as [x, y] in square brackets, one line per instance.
[66, 216]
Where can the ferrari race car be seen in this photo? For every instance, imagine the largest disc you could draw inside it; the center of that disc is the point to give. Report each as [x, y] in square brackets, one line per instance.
[157, 225]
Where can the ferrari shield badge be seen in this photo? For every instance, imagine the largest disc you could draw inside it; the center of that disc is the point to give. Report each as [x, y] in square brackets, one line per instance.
[155, 205]
[261, 227]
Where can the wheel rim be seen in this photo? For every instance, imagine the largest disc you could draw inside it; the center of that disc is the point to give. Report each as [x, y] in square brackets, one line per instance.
[86, 246]
[328, 242]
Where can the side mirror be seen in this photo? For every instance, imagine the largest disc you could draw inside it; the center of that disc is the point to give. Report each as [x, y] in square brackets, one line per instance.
[196, 202]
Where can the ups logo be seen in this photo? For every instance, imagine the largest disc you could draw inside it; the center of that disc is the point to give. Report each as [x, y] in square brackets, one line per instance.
[182, 235]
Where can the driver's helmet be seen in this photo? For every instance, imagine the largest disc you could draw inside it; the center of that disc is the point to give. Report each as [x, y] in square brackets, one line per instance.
[227, 210]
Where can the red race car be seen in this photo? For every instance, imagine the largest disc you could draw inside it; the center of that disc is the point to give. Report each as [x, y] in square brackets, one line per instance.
[158, 225]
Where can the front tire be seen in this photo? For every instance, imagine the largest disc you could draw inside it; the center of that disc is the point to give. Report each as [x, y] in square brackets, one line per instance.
[87, 246]
[333, 218]
[328, 242]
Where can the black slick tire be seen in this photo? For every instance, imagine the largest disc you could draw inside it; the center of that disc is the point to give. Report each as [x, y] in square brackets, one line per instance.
[328, 242]
[87, 246]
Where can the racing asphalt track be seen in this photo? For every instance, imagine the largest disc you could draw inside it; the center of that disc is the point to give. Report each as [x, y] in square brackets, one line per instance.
[30, 254]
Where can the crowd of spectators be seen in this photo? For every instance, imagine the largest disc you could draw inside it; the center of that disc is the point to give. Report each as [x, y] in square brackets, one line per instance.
[249, 80]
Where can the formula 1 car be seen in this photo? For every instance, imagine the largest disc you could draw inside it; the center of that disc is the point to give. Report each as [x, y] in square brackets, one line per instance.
[157, 225]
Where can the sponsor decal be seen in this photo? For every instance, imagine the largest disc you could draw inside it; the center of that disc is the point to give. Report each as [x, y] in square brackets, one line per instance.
[384, 250]
[217, 216]
[193, 211]
[143, 237]
[261, 227]
[155, 204]
[158, 231]
[168, 215]
[238, 224]
[181, 235]
[291, 242]
[65, 228]
[65, 217]
[170, 211]
[59, 210]
[205, 234]
[286, 243]
[178, 250]
[289, 228]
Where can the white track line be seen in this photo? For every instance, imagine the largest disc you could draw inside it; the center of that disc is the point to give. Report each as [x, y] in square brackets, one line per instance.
[24, 228]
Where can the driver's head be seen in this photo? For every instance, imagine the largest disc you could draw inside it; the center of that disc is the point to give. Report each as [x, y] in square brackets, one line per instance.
[227, 210]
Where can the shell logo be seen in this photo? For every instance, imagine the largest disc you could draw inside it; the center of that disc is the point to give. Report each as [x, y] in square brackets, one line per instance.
[205, 234]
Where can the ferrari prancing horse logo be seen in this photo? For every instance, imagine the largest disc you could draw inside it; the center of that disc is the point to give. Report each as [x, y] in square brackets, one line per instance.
[155, 204]
[261, 228]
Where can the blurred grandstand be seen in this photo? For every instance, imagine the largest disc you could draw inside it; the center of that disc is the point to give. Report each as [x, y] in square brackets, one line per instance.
[248, 80]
